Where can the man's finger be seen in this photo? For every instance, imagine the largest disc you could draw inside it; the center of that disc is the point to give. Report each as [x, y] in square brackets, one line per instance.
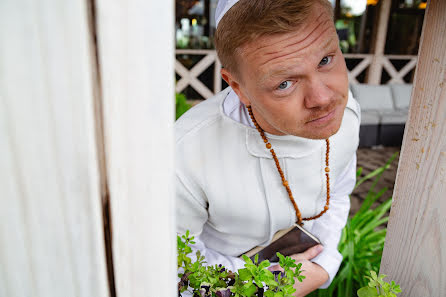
[311, 252]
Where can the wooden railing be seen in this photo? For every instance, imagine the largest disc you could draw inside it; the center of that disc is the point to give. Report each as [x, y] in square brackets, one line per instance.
[189, 77]
[385, 60]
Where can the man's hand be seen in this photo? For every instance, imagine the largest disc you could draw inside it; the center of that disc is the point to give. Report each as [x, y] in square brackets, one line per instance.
[315, 275]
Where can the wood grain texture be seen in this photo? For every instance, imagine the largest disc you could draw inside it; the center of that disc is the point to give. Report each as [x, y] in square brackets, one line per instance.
[136, 57]
[414, 252]
[51, 239]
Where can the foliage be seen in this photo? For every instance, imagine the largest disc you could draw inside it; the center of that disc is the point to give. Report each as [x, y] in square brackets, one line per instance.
[362, 240]
[253, 280]
[377, 287]
[181, 105]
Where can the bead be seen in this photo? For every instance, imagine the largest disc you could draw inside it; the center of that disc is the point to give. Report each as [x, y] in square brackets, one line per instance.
[284, 181]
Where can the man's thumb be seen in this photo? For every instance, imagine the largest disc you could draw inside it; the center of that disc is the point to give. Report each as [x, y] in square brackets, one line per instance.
[312, 252]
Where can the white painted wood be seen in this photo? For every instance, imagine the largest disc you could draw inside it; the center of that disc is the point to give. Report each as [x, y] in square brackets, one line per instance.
[391, 70]
[51, 238]
[405, 70]
[375, 69]
[414, 251]
[358, 69]
[136, 54]
[190, 77]
[217, 75]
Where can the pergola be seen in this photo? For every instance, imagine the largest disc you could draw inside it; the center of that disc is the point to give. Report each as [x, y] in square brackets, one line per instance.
[86, 153]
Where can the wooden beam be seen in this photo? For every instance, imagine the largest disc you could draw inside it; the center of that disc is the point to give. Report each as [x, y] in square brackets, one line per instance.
[51, 237]
[136, 58]
[379, 43]
[416, 240]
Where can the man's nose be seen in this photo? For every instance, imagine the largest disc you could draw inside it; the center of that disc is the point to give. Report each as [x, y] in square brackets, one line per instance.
[318, 94]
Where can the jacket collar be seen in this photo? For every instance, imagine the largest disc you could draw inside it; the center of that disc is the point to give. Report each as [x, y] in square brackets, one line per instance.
[287, 146]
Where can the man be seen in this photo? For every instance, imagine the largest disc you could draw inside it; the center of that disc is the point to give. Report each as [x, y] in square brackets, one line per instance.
[288, 89]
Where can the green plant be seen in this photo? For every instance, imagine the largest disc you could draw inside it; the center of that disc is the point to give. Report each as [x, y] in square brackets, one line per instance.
[362, 240]
[377, 287]
[253, 280]
[181, 105]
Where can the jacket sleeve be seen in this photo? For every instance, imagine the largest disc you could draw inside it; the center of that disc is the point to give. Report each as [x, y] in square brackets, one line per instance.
[191, 214]
[329, 226]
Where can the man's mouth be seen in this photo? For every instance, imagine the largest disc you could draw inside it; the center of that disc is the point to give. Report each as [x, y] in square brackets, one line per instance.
[324, 118]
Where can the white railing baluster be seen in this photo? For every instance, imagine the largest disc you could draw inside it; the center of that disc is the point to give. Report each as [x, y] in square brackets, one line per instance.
[190, 77]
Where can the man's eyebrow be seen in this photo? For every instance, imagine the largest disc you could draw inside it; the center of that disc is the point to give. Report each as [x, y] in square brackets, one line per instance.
[328, 43]
[278, 72]
[289, 70]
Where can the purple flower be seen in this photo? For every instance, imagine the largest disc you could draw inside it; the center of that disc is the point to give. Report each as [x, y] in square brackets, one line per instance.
[276, 274]
[223, 293]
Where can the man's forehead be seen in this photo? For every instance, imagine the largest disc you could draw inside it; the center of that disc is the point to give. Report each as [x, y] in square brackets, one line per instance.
[282, 68]
[272, 46]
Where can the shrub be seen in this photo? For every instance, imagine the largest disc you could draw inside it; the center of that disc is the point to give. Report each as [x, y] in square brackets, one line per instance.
[362, 240]
[181, 105]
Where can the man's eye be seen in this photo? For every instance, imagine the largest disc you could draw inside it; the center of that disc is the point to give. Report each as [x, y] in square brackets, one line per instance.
[325, 60]
[284, 85]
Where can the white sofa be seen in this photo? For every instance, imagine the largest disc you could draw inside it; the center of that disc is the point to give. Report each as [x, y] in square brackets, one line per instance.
[384, 110]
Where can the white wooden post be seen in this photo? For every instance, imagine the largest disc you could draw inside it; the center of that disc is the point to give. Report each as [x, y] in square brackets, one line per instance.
[375, 70]
[136, 59]
[51, 238]
[414, 251]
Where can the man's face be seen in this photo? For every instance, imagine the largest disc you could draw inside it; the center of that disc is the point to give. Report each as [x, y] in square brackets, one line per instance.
[296, 82]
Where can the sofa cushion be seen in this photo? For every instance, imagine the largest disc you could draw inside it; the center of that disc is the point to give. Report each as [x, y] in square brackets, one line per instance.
[393, 117]
[401, 95]
[370, 117]
[373, 97]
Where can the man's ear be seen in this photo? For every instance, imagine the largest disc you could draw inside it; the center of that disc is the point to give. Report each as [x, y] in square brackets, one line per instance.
[234, 83]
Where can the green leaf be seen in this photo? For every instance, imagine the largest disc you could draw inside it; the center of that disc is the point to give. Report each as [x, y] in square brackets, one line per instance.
[249, 289]
[367, 292]
[244, 274]
[264, 264]
[247, 259]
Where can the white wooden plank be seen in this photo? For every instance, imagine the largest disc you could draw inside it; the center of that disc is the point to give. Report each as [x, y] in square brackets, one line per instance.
[51, 239]
[190, 77]
[375, 69]
[359, 68]
[391, 70]
[414, 252]
[405, 70]
[136, 54]
[217, 75]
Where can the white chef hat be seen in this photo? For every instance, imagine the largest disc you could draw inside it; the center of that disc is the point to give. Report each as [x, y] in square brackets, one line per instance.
[222, 7]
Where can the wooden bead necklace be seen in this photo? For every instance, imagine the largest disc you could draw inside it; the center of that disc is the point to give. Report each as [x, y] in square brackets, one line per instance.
[285, 182]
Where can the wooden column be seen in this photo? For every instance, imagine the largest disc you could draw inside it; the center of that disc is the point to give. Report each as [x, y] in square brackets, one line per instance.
[51, 238]
[414, 252]
[136, 58]
[379, 43]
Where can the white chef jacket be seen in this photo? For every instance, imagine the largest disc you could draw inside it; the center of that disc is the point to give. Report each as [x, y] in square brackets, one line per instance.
[224, 113]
